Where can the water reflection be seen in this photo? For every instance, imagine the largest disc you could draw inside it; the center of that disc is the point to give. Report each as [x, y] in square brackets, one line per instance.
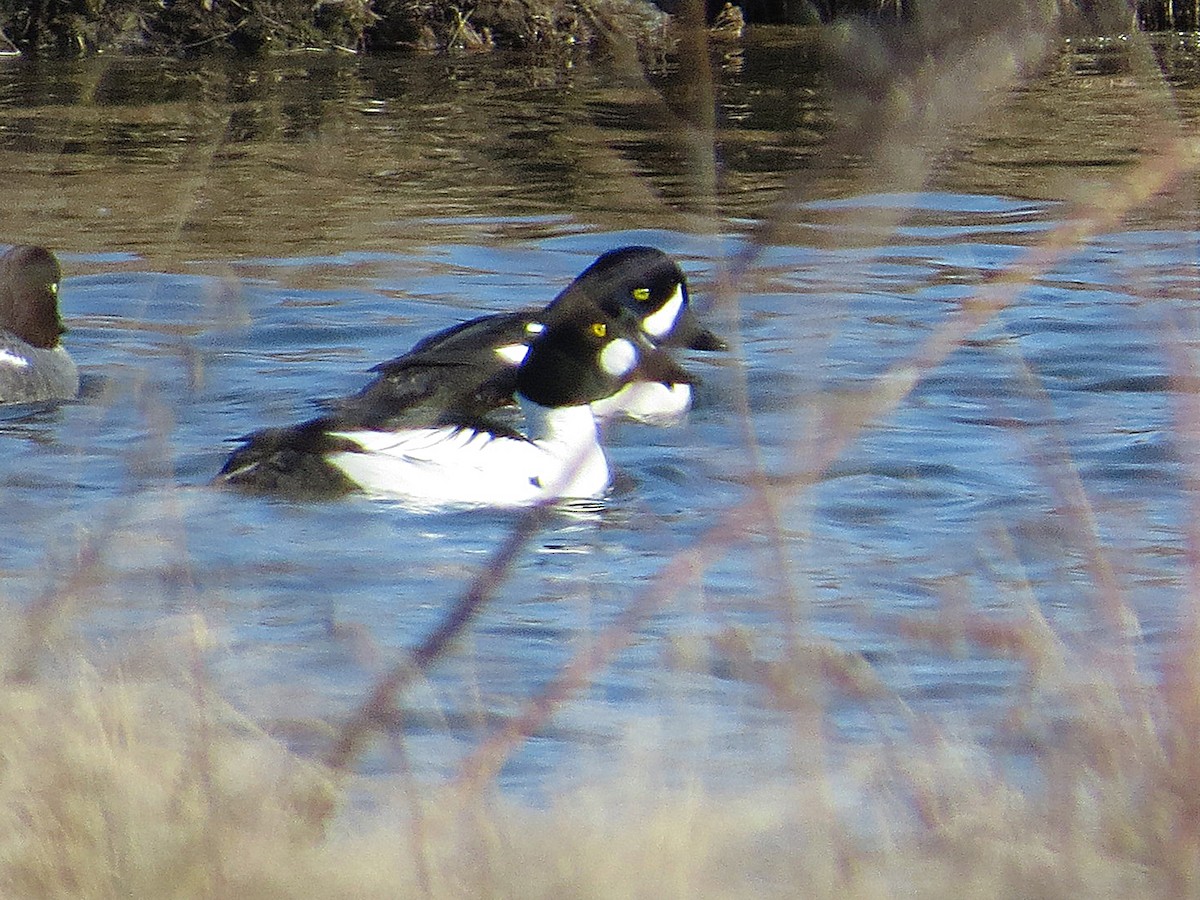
[329, 151]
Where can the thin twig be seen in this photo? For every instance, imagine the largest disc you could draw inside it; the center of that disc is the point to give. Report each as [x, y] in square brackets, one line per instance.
[382, 700]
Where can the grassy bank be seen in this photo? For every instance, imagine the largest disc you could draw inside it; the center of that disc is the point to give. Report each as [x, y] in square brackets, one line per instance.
[258, 26]
[262, 26]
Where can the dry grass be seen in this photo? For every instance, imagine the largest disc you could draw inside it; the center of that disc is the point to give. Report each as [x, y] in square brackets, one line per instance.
[152, 787]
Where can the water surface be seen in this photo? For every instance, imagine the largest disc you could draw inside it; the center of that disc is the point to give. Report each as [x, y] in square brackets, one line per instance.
[242, 239]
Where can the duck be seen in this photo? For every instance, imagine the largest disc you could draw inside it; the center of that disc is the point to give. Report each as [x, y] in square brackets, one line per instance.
[471, 368]
[34, 365]
[465, 392]
[578, 356]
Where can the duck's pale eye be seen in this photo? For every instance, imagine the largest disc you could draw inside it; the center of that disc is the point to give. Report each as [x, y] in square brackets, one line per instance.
[618, 357]
[599, 329]
[641, 295]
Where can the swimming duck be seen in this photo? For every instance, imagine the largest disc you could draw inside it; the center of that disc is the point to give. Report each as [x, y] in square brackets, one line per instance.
[471, 368]
[34, 365]
[578, 356]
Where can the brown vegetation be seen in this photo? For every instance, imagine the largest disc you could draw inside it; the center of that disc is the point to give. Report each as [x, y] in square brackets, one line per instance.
[258, 26]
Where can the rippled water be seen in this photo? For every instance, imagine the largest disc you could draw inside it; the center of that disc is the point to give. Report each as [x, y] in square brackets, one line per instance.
[243, 239]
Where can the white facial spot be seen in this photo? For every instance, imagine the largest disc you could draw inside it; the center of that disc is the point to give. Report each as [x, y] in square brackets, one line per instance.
[662, 320]
[618, 357]
[535, 328]
[8, 358]
[514, 354]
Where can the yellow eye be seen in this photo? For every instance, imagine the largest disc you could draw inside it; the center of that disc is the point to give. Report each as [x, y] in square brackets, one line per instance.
[599, 329]
[641, 294]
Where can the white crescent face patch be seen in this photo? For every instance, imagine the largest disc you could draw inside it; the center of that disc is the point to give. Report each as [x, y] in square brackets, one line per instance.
[618, 357]
[662, 320]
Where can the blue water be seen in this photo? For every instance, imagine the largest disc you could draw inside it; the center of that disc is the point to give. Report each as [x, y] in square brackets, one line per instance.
[949, 501]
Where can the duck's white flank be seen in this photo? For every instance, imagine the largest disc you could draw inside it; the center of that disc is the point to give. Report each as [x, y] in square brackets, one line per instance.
[461, 466]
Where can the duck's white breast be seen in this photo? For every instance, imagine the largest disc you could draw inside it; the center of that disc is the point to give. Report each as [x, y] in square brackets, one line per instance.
[651, 402]
[29, 374]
